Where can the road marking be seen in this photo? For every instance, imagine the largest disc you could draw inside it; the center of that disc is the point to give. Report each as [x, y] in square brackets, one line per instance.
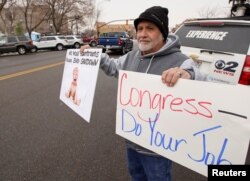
[30, 71]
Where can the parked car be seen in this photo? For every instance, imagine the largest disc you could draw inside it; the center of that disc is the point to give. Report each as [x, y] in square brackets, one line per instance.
[19, 44]
[92, 41]
[57, 42]
[220, 46]
[115, 41]
[74, 41]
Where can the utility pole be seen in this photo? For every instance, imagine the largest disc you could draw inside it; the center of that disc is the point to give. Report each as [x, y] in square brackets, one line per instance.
[77, 17]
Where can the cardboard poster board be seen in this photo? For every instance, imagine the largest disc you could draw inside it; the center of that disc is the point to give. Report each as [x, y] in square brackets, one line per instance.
[79, 80]
[193, 123]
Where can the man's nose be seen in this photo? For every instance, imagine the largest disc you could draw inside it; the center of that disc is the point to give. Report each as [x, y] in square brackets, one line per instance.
[142, 33]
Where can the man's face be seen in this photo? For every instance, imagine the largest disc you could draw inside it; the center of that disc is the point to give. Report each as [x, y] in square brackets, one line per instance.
[149, 37]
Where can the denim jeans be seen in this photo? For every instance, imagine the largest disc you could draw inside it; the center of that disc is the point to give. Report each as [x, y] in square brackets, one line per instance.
[143, 167]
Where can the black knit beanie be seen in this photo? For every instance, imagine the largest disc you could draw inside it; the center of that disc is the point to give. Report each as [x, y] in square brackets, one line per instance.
[157, 15]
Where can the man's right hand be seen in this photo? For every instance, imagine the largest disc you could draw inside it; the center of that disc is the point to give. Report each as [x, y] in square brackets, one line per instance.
[83, 48]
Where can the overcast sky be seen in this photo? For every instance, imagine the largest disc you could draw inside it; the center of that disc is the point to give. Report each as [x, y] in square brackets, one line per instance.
[179, 10]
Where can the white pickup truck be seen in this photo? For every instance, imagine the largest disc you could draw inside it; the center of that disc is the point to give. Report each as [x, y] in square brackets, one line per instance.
[220, 46]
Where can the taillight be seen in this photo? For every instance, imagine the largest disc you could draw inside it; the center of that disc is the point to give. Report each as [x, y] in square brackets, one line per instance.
[213, 23]
[119, 41]
[245, 74]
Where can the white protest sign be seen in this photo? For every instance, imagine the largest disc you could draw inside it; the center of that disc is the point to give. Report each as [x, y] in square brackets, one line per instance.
[193, 123]
[79, 80]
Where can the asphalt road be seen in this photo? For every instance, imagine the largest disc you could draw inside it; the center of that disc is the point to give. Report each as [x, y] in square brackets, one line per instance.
[41, 139]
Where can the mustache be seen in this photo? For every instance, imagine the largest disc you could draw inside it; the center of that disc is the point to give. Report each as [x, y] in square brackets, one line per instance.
[144, 41]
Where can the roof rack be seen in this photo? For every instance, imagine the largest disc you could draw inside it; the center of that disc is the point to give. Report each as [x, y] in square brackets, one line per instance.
[245, 18]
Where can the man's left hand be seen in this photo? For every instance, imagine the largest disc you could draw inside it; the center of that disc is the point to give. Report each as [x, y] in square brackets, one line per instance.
[170, 76]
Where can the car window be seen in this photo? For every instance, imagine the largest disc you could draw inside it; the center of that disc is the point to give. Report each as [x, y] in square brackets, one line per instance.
[43, 38]
[51, 38]
[111, 34]
[120, 34]
[3, 39]
[61, 37]
[12, 39]
[23, 38]
[70, 38]
[104, 35]
[226, 38]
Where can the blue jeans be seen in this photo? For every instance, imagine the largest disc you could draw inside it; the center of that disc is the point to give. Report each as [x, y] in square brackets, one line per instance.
[143, 167]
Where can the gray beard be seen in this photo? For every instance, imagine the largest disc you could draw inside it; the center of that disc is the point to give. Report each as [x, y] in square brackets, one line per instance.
[148, 46]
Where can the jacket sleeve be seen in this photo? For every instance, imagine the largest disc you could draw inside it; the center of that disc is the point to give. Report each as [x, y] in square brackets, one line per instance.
[190, 66]
[111, 66]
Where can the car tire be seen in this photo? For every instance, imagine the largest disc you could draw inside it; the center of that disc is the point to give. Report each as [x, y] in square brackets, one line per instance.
[123, 51]
[59, 47]
[21, 50]
[33, 50]
[77, 45]
[93, 44]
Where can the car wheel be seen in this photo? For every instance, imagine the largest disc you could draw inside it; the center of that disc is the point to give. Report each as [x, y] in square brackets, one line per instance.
[77, 45]
[33, 50]
[93, 44]
[21, 50]
[59, 47]
[123, 51]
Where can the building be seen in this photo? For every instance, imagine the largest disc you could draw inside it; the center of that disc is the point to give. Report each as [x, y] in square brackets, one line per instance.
[104, 27]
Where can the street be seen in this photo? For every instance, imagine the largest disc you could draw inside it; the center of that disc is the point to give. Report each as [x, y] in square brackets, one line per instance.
[41, 139]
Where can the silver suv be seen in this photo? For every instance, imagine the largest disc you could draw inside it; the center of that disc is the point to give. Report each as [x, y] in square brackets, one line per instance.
[220, 46]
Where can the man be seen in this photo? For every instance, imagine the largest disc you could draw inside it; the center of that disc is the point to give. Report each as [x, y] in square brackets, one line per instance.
[159, 54]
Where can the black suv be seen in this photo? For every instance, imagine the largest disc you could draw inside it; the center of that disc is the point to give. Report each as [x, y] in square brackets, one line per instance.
[20, 44]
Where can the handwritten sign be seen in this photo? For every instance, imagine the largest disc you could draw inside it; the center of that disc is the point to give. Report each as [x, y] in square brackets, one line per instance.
[193, 123]
[79, 80]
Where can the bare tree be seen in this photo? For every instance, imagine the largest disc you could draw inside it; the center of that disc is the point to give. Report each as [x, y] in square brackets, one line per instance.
[87, 12]
[34, 13]
[8, 16]
[91, 17]
[94, 18]
[65, 11]
[209, 12]
[2, 4]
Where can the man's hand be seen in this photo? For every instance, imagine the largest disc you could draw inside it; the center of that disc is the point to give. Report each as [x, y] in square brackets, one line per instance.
[171, 76]
[83, 48]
